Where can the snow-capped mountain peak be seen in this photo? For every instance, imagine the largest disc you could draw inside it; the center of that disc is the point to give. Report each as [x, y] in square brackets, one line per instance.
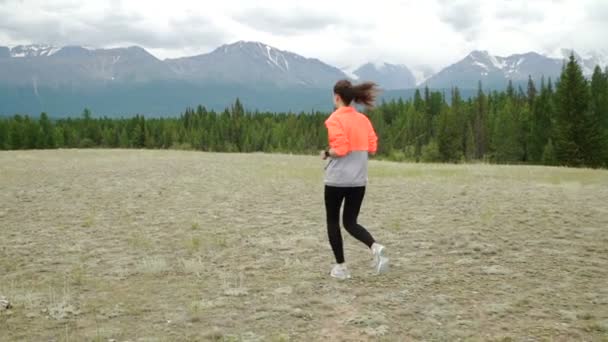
[495, 71]
[388, 76]
[246, 62]
[486, 61]
[588, 61]
[35, 50]
[272, 56]
[479, 55]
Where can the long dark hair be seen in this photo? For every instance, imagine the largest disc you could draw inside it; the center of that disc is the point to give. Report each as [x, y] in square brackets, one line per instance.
[364, 93]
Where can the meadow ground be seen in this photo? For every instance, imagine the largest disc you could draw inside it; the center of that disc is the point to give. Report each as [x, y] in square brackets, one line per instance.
[128, 245]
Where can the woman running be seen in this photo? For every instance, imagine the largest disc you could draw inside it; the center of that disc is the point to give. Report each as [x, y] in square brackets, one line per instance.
[351, 140]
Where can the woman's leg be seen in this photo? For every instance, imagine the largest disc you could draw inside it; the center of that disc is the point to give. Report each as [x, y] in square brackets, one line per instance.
[333, 201]
[352, 205]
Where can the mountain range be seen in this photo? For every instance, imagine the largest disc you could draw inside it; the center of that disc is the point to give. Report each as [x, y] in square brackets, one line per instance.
[125, 81]
[494, 72]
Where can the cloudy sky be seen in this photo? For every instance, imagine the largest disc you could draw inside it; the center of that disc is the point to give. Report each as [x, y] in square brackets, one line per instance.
[342, 33]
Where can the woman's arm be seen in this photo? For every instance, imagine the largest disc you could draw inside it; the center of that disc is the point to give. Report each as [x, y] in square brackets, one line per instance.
[372, 139]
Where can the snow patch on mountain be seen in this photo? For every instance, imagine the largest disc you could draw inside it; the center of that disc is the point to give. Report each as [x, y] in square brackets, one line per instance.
[34, 50]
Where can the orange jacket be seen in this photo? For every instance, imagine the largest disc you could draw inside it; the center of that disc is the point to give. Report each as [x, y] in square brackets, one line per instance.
[349, 130]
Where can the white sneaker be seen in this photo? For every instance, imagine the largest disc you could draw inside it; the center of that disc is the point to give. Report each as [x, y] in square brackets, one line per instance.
[380, 261]
[340, 271]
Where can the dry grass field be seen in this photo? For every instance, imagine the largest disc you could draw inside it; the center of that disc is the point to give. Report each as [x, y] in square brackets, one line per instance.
[127, 245]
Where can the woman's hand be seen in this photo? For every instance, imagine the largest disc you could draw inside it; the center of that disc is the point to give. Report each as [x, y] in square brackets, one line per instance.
[324, 155]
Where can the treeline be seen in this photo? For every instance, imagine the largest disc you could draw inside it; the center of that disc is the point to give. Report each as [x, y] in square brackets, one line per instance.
[233, 130]
[561, 124]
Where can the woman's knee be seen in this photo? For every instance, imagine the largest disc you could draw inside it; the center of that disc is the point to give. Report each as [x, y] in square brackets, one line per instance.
[350, 225]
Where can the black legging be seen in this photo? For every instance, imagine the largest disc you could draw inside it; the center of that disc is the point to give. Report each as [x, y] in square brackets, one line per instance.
[352, 204]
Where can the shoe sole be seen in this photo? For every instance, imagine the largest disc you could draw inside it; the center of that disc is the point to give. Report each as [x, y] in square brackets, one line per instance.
[377, 256]
[340, 278]
[382, 266]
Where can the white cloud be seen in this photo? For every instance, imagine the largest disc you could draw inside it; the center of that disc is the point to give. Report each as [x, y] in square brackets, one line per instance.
[340, 32]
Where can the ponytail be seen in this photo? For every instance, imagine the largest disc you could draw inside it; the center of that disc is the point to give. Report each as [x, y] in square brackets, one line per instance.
[364, 93]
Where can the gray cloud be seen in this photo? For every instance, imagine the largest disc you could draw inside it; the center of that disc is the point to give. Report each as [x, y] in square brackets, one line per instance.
[598, 11]
[435, 32]
[291, 22]
[59, 6]
[516, 13]
[114, 27]
[464, 16]
[195, 31]
[265, 20]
